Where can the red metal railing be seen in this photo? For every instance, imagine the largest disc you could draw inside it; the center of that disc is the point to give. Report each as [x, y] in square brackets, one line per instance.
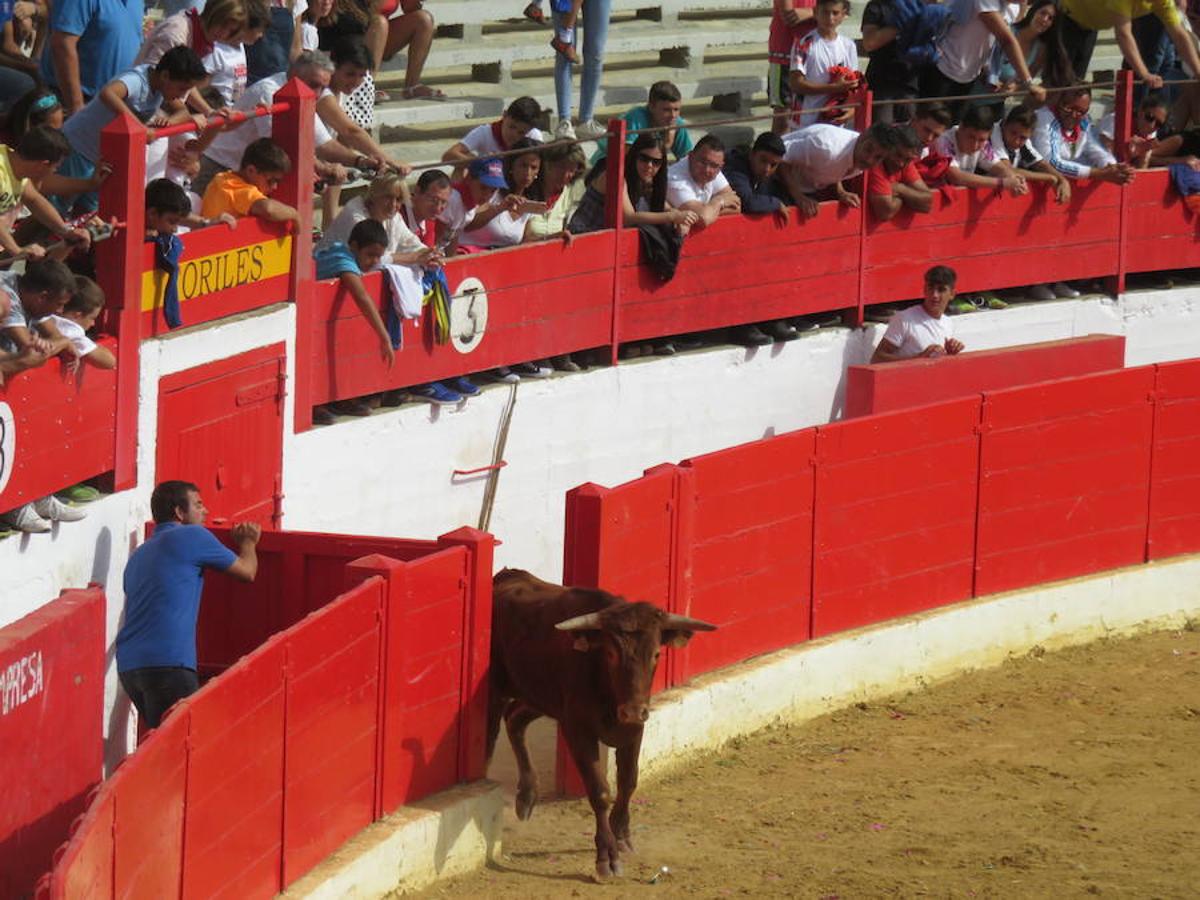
[372, 700]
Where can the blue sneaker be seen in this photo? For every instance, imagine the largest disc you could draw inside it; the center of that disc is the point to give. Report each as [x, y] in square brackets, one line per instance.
[463, 385]
[437, 394]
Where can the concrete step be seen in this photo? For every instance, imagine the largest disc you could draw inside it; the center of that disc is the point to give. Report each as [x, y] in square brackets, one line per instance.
[485, 13]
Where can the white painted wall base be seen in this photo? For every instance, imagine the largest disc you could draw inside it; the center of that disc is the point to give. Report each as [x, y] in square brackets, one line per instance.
[452, 833]
[792, 686]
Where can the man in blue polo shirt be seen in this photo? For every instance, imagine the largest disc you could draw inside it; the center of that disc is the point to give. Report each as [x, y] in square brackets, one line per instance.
[91, 43]
[156, 646]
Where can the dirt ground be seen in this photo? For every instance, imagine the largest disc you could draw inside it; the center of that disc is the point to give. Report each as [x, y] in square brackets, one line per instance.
[1056, 775]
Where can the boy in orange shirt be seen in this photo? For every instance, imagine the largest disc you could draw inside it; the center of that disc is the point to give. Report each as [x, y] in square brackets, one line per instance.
[247, 191]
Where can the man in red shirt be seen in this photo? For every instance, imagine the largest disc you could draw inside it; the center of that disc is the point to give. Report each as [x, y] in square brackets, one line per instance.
[895, 183]
[790, 19]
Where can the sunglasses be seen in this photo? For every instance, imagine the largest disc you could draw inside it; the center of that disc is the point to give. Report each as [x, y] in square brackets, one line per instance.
[1151, 117]
[654, 161]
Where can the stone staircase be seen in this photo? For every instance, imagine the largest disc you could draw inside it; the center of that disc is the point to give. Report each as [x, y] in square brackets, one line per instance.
[713, 50]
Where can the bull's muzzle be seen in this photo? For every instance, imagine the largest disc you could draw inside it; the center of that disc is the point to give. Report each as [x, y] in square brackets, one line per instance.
[633, 713]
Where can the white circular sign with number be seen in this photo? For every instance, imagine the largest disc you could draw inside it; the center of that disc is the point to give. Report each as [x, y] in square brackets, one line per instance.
[8, 444]
[468, 315]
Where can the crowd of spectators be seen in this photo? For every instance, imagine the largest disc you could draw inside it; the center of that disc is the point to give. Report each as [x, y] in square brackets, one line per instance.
[971, 93]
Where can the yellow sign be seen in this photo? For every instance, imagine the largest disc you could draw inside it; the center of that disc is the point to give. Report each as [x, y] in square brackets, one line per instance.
[221, 271]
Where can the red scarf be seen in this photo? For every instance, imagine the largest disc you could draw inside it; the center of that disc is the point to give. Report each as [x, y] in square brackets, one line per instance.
[496, 133]
[1073, 135]
[202, 45]
[426, 230]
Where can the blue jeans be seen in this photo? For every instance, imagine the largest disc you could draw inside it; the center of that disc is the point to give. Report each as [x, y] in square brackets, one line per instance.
[594, 18]
[1158, 53]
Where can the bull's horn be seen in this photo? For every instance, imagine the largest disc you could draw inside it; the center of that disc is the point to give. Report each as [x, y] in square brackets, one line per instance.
[683, 623]
[580, 623]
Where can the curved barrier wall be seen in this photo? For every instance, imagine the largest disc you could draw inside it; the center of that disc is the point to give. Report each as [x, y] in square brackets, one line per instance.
[374, 700]
[856, 522]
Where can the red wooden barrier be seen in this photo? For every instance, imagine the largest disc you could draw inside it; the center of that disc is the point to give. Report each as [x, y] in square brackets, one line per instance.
[745, 544]
[894, 515]
[1064, 478]
[331, 727]
[298, 572]
[56, 429]
[744, 269]
[530, 302]
[1161, 233]
[914, 382]
[222, 272]
[1175, 474]
[233, 841]
[148, 829]
[995, 241]
[51, 750]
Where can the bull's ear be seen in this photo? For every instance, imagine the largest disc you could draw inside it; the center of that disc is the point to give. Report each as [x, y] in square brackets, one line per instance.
[676, 638]
[581, 644]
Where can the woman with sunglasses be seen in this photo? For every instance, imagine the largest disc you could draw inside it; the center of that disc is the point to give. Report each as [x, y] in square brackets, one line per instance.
[645, 196]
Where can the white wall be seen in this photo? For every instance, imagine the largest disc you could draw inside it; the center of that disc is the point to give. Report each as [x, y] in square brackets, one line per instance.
[610, 424]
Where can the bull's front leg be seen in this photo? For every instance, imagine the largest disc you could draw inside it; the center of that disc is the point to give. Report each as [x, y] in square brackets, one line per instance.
[585, 750]
[627, 778]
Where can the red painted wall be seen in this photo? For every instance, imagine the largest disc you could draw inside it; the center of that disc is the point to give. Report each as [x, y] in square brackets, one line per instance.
[914, 382]
[51, 709]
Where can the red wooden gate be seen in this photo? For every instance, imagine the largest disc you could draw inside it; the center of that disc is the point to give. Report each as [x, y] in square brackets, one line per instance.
[1175, 477]
[221, 426]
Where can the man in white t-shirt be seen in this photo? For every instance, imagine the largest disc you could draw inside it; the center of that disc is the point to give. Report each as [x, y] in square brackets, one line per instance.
[814, 56]
[517, 122]
[222, 150]
[974, 161]
[696, 183]
[821, 157]
[963, 48]
[923, 329]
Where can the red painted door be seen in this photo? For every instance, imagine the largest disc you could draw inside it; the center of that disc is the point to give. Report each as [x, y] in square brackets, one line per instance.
[221, 426]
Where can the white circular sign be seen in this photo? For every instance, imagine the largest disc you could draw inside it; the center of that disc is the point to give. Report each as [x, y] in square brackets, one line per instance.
[468, 315]
[8, 444]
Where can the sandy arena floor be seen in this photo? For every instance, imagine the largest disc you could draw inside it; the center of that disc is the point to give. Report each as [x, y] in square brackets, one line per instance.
[1056, 775]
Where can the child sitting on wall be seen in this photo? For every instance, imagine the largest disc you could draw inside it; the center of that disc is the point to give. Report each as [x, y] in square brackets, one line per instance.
[362, 252]
[67, 331]
[247, 192]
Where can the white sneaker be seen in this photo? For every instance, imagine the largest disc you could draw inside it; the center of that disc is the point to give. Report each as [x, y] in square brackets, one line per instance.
[26, 519]
[590, 130]
[56, 511]
[1042, 292]
[1062, 289]
[564, 130]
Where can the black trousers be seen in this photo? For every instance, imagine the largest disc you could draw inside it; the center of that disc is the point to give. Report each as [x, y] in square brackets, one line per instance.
[153, 690]
[1079, 42]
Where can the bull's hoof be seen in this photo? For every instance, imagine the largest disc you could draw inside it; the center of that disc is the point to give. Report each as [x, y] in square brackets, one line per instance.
[526, 801]
[603, 872]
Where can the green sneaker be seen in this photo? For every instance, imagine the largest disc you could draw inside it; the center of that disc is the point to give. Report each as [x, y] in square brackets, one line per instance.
[991, 301]
[79, 493]
[960, 305]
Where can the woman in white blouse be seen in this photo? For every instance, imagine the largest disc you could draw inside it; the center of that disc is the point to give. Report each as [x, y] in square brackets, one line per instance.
[511, 209]
[381, 203]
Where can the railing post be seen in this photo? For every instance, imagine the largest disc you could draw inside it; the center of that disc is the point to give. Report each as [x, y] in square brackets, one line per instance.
[614, 214]
[119, 274]
[292, 130]
[1122, 132]
[862, 121]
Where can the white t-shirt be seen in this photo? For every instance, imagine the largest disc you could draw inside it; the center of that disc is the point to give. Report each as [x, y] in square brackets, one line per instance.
[16, 317]
[963, 49]
[73, 332]
[983, 160]
[823, 155]
[502, 231]
[813, 57]
[400, 238]
[1025, 158]
[226, 65]
[310, 39]
[481, 140]
[912, 330]
[229, 146]
[681, 188]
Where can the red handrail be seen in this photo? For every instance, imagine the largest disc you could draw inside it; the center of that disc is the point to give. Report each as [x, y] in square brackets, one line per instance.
[221, 120]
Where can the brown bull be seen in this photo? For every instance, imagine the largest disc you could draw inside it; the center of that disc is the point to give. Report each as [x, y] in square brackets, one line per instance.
[587, 659]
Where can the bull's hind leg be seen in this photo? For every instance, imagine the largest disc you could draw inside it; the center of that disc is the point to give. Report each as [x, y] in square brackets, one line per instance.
[627, 778]
[516, 719]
